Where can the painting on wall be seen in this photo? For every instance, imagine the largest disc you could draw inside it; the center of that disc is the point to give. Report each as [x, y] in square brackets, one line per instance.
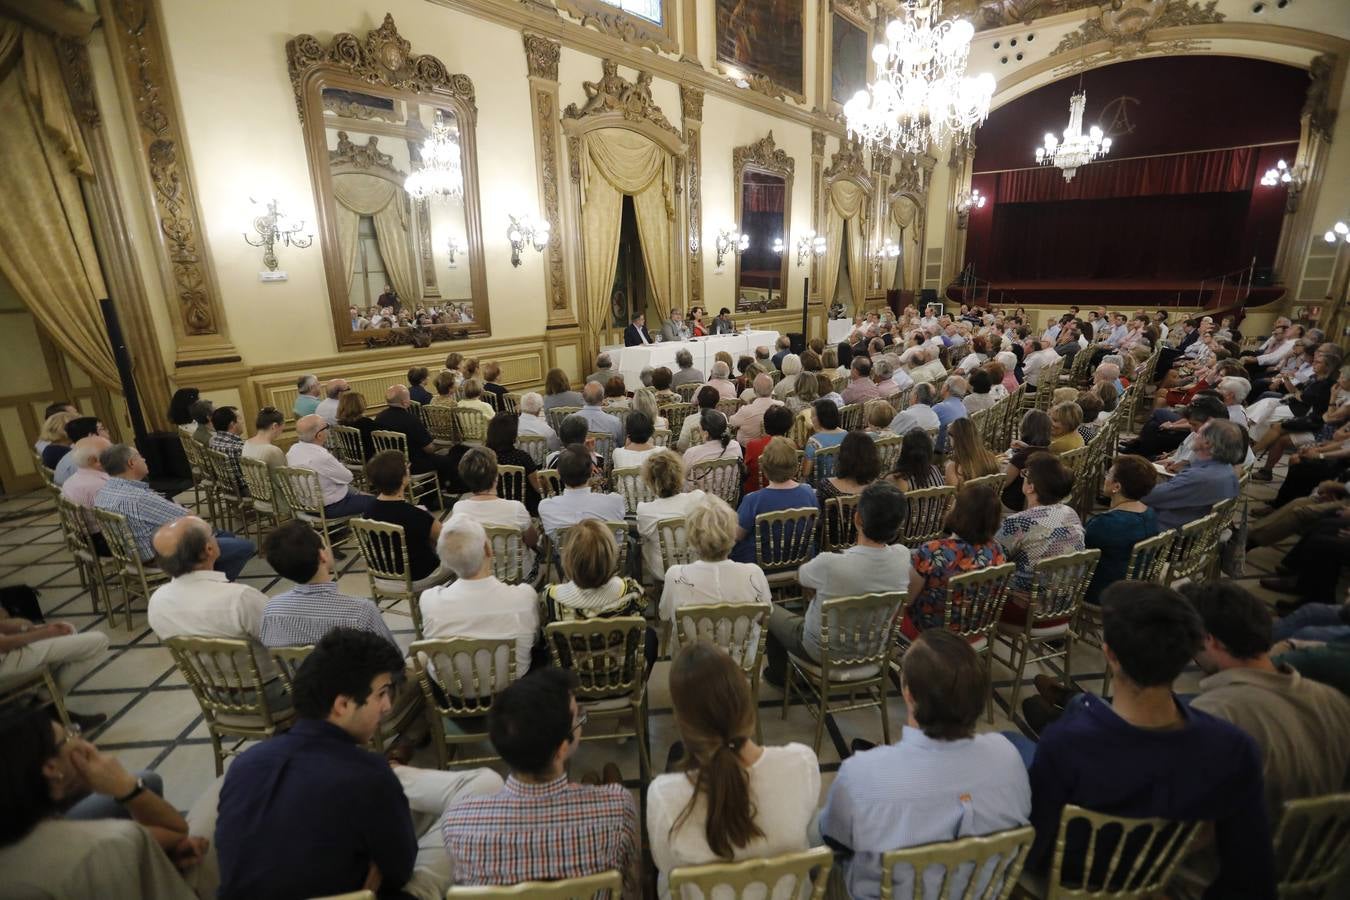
[763, 37]
[848, 56]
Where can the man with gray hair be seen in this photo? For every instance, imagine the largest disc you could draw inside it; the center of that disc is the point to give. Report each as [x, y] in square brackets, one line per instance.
[860, 387]
[604, 370]
[596, 418]
[1234, 391]
[883, 376]
[532, 421]
[476, 604]
[929, 366]
[1209, 479]
[721, 380]
[308, 401]
[310, 451]
[687, 374]
[89, 478]
[146, 511]
[952, 407]
[1109, 373]
[749, 419]
[763, 360]
[675, 328]
[645, 376]
[919, 414]
[328, 407]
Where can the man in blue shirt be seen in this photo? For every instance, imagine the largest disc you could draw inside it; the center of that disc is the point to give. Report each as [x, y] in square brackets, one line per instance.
[1219, 446]
[312, 812]
[951, 408]
[1145, 754]
[941, 782]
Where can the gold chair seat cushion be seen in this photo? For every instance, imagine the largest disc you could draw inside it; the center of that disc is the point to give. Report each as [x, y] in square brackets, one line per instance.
[1056, 629]
[608, 704]
[232, 720]
[837, 673]
[435, 579]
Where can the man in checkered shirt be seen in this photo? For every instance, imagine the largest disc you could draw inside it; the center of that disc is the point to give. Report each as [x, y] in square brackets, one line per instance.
[541, 826]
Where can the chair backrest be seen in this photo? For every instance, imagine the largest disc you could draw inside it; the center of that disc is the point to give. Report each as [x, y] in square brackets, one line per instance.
[719, 476]
[556, 415]
[302, 490]
[1123, 859]
[628, 482]
[687, 391]
[993, 861]
[511, 481]
[1058, 584]
[1189, 548]
[1148, 559]
[384, 547]
[888, 450]
[347, 446]
[467, 672]
[786, 538]
[604, 444]
[850, 416]
[801, 875]
[536, 445]
[619, 412]
[510, 556]
[605, 654]
[840, 529]
[288, 661]
[441, 423]
[470, 425]
[550, 482]
[258, 479]
[823, 465]
[390, 440]
[925, 511]
[977, 599]
[741, 629]
[801, 431]
[1046, 384]
[856, 631]
[900, 399]
[729, 406]
[75, 527]
[191, 449]
[224, 675]
[796, 475]
[508, 402]
[994, 481]
[839, 383]
[608, 884]
[1312, 847]
[117, 534]
[222, 471]
[675, 414]
[661, 437]
[47, 474]
[674, 541]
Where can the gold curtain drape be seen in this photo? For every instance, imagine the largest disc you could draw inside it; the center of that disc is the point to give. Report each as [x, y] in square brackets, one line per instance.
[620, 162]
[905, 217]
[844, 213]
[386, 203]
[46, 244]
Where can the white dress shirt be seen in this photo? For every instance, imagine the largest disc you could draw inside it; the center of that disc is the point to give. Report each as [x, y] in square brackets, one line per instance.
[917, 415]
[539, 427]
[205, 604]
[486, 609]
[327, 410]
[577, 503]
[1276, 354]
[334, 477]
[701, 583]
[649, 514]
[1031, 368]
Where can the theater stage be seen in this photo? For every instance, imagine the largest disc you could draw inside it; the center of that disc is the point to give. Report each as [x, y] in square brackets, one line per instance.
[1115, 293]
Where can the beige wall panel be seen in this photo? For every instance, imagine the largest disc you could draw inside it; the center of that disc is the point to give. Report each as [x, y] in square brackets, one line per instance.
[17, 447]
[25, 366]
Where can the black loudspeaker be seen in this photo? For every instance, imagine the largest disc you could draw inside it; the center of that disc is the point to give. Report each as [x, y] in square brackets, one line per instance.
[798, 341]
[928, 295]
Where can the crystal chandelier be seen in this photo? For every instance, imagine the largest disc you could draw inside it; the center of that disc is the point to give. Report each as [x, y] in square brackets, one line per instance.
[922, 94]
[1077, 149]
[441, 173]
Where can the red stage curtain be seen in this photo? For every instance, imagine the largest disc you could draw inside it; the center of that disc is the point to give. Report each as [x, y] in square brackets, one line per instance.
[1179, 236]
[1206, 172]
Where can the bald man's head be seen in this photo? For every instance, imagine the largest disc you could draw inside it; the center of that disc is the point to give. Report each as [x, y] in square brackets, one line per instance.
[593, 393]
[307, 427]
[397, 395]
[763, 385]
[86, 451]
[185, 545]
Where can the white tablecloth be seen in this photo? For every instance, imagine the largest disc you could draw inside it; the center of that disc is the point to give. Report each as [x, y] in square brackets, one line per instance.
[838, 330]
[632, 360]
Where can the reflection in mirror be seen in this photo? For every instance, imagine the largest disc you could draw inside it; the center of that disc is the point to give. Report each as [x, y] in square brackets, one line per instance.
[763, 176]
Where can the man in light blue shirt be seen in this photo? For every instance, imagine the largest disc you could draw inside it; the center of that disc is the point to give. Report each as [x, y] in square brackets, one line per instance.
[941, 782]
[1208, 479]
[596, 418]
[951, 408]
[577, 501]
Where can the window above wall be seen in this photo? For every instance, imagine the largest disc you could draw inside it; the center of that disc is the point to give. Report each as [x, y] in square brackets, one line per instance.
[646, 23]
[648, 9]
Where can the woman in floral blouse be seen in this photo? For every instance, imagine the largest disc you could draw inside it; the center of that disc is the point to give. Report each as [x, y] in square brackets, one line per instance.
[1044, 529]
[968, 547]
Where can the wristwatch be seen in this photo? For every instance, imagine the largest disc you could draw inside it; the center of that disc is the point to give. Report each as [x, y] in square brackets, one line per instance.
[135, 792]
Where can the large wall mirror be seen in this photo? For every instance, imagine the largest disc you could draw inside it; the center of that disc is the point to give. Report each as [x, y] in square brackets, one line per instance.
[764, 204]
[404, 265]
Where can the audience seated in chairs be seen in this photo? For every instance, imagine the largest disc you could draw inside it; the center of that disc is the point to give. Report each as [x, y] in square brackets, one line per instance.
[78, 824]
[687, 374]
[267, 427]
[309, 389]
[575, 430]
[310, 451]
[828, 433]
[711, 577]
[967, 456]
[471, 397]
[446, 382]
[56, 443]
[779, 464]
[398, 416]
[352, 414]
[328, 407]
[716, 444]
[365, 821]
[476, 604]
[77, 429]
[578, 501]
[1033, 436]
[749, 419]
[82, 487]
[1208, 479]
[532, 421]
[732, 799]
[502, 430]
[968, 547]
[558, 390]
[1046, 527]
[872, 565]
[55, 429]
[691, 431]
[595, 587]
[940, 781]
[417, 384]
[604, 370]
[388, 475]
[1064, 421]
[1126, 523]
[919, 415]
[777, 423]
[721, 380]
[127, 494]
[638, 445]
[857, 465]
[663, 474]
[26, 647]
[914, 469]
[541, 826]
[226, 427]
[478, 471]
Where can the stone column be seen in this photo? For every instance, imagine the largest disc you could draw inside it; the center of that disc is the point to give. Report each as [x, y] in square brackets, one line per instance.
[541, 57]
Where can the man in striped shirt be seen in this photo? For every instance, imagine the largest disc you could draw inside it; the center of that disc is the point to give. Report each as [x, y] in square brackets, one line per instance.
[308, 611]
[541, 826]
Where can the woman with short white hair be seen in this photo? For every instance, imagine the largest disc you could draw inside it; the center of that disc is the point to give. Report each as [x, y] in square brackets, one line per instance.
[792, 367]
[710, 527]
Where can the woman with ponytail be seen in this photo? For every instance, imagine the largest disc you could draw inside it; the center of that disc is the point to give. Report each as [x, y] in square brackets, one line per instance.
[734, 800]
[717, 444]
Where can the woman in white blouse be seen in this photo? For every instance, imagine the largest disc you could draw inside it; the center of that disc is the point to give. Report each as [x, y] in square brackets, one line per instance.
[478, 473]
[710, 527]
[638, 445]
[663, 473]
[735, 800]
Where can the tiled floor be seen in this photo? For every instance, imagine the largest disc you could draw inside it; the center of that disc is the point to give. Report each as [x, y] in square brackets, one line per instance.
[154, 721]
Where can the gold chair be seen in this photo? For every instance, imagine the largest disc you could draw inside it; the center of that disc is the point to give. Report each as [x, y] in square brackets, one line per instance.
[840, 531]
[350, 451]
[900, 399]
[855, 654]
[512, 561]
[721, 477]
[353, 895]
[675, 414]
[925, 511]
[536, 445]
[606, 884]
[203, 486]
[1188, 556]
[618, 529]
[556, 415]
[994, 481]
[1312, 847]
[94, 570]
[604, 444]
[997, 857]
[674, 540]
[262, 493]
[1087, 479]
[36, 682]
[304, 496]
[783, 541]
[1012, 416]
[511, 482]
[979, 596]
[288, 660]
[741, 629]
[687, 391]
[1045, 386]
[629, 484]
[550, 482]
[822, 466]
[47, 475]
[470, 425]
[796, 475]
[1057, 589]
[441, 423]
[661, 437]
[888, 450]
[729, 406]
[850, 416]
[136, 578]
[468, 673]
[801, 875]
[384, 547]
[508, 402]
[234, 503]
[420, 486]
[801, 432]
[606, 656]
[228, 683]
[1102, 871]
[839, 383]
